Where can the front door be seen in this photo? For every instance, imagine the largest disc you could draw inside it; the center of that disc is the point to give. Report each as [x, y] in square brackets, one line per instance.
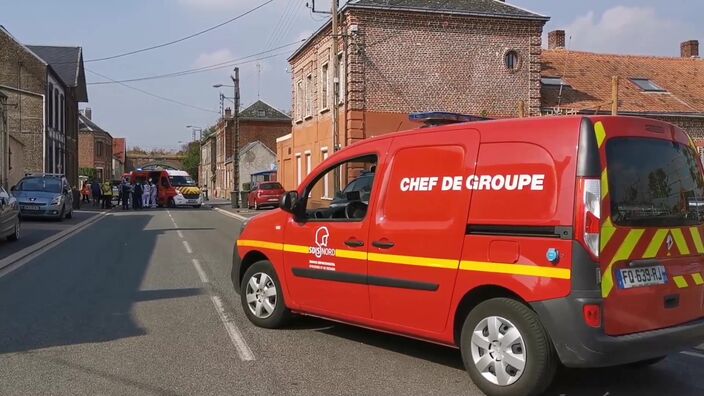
[325, 250]
[419, 227]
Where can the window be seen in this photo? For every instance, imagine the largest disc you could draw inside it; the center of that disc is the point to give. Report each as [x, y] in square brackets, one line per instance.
[512, 61]
[50, 105]
[299, 100]
[348, 204]
[326, 178]
[308, 163]
[56, 108]
[62, 115]
[324, 82]
[341, 88]
[553, 82]
[647, 85]
[261, 113]
[99, 149]
[309, 95]
[299, 171]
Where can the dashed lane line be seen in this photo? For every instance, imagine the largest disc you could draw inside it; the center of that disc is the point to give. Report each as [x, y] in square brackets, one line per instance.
[201, 274]
[230, 214]
[188, 247]
[180, 234]
[694, 354]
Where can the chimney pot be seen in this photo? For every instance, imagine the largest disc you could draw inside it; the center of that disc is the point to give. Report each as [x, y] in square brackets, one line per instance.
[690, 49]
[556, 39]
[88, 113]
[228, 113]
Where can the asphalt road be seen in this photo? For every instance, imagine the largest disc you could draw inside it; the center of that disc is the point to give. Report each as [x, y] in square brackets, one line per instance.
[140, 303]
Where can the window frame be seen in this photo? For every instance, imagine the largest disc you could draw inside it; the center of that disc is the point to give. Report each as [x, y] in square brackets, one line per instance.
[309, 96]
[517, 64]
[325, 87]
[653, 87]
[299, 100]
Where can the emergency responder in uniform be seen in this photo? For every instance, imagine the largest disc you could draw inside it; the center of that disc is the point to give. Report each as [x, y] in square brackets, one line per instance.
[107, 195]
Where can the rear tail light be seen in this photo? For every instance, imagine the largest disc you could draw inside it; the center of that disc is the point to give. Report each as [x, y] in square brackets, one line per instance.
[588, 215]
[592, 315]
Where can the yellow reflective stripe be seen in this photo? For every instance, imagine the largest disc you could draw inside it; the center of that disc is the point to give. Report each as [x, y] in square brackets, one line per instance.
[655, 244]
[260, 244]
[296, 249]
[350, 254]
[516, 269]
[697, 238]
[680, 281]
[697, 277]
[600, 133]
[411, 260]
[604, 183]
[679, 240]
[623, 252]
[607, 231]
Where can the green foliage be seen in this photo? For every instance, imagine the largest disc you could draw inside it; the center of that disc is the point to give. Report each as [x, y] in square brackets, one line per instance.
[192, 160]
[90, 172]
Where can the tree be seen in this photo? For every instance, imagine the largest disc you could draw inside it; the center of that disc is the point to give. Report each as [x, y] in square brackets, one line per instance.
[192, 159]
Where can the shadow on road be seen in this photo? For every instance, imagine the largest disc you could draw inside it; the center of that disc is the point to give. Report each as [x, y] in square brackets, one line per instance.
[82, 290]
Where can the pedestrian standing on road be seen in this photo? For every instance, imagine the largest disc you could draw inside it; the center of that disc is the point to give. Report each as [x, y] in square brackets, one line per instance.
[146, 193]
[96, 192]
[205, 192]
[125, 189]
[107, 195]
[137, 195]
[85, 192]
[154, 194]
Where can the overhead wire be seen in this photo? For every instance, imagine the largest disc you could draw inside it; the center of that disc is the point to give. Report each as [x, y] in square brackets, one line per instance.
[279, 23]
[190, 36]
[153, 94]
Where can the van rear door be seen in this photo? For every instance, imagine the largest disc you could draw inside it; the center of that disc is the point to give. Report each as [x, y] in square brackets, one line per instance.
[651, 239]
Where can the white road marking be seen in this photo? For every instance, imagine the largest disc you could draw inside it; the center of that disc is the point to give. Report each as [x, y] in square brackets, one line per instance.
[230, 214]
[203, 276]
[689, 353]
[238, 341]
[188, 247]
[180, 234]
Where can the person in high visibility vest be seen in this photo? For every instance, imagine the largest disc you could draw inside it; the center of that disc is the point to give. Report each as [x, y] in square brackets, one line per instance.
[107, 195]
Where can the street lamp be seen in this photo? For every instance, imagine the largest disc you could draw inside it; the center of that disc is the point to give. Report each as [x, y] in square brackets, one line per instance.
[196, 129]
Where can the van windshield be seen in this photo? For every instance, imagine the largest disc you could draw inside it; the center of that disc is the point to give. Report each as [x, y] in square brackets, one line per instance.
[654, 183]
[182, 181]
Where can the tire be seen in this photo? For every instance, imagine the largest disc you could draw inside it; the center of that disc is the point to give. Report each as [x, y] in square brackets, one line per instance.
[172, 203]
[256, 205]
[277, 314]
[69, 215]
[18, 231]
[532, 344]
[62, 214]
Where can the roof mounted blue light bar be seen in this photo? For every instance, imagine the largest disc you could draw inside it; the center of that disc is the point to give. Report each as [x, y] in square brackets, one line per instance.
[434, 118]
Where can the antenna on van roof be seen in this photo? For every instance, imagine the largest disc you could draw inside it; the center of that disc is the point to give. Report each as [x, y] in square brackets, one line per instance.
[435, 118]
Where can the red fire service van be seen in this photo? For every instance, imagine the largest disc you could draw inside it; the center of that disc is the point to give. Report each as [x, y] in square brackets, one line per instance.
[525, 243]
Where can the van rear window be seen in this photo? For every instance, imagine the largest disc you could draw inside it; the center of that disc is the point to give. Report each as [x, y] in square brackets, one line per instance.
[654, 183]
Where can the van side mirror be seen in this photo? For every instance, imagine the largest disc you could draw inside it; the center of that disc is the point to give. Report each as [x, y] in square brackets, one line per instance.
[288, 201]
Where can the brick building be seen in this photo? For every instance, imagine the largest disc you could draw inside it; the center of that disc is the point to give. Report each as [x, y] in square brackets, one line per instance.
[207, 169]
[666, 88]
[95, 148]
[479, 56]
[119, 157]
[258, 122]
[43, 86]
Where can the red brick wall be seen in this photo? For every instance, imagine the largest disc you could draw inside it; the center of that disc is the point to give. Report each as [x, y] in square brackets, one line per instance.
[264, 131]
[86, 150]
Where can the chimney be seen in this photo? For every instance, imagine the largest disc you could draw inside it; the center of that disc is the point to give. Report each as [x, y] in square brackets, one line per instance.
[690, 49]
[87, 112]
[228, 113]
[556, 39]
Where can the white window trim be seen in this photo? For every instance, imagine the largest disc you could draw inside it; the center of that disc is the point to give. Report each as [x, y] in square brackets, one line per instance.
[342, 83]
[309, 96]
[309, 162]
[300, 97]
[325, 92]
[299, 165]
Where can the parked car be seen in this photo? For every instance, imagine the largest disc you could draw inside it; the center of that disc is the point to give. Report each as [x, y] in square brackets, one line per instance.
[44, 195]
[10, 223]
[265, 194]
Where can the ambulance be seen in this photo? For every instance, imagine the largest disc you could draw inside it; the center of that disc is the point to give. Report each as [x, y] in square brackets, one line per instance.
[525, 243]
[175, 187]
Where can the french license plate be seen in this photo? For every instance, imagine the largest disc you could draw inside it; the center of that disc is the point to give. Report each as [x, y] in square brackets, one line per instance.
[643, 276]
[273, 200]
[30, 207]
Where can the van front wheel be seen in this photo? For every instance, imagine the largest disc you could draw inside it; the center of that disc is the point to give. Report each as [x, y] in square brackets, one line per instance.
[506, 350]
[262, 297]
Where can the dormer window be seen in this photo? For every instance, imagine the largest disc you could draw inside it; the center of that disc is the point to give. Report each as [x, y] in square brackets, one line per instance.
[647, 85]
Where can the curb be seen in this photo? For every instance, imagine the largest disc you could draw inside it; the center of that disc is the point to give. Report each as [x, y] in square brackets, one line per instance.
[230, 214]
[42, 246]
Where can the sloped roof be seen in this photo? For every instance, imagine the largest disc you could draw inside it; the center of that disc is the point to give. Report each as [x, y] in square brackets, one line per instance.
[254, 144]
[488, 8]
[261, 111]
[68, 64]
[85, 124]
[588, 76]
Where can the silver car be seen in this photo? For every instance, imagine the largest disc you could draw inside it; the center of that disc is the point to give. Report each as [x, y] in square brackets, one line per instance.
[44, 195]
[10, 224]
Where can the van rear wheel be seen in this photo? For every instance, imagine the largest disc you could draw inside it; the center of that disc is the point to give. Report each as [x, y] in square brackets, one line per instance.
[506, 350]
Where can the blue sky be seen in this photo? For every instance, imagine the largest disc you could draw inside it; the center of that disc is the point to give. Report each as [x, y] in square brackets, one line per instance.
[105, 28]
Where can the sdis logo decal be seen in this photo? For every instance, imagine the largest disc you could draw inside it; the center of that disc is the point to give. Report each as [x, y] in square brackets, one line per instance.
[321, 240]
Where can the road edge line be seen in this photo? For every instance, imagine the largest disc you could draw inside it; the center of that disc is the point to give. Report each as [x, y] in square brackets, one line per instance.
[230, 214]
[44, 245]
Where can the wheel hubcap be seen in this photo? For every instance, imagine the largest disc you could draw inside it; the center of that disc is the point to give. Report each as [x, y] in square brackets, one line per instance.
[498, 351]
[261, 295]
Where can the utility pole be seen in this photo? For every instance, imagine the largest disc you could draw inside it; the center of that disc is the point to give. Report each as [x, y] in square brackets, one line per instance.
[336, 90]
[236, 139]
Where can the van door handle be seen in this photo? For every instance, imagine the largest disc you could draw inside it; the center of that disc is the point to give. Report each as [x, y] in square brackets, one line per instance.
[354, 243]
[383, 244]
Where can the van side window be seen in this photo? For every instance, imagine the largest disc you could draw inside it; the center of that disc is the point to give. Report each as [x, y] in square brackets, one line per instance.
[341, 193]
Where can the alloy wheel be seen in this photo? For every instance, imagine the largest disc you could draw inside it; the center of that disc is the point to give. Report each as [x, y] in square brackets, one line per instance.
[498, 351]
[261, 295]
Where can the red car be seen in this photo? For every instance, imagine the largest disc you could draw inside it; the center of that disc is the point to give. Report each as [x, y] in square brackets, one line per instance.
[265, 194]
